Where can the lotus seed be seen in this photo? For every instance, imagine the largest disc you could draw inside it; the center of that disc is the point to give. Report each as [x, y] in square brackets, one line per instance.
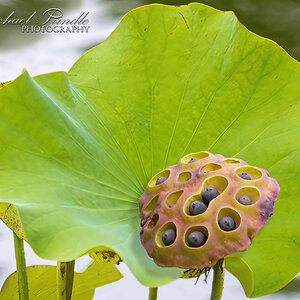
[245, 176]
[227, 224]
[196, 239]
[160, 180]
[209, 194]
[197, 207]
[244, 200]
[192, 160]
[168, 237]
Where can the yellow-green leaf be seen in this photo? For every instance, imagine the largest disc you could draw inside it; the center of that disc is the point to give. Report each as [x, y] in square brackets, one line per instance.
[42, 282]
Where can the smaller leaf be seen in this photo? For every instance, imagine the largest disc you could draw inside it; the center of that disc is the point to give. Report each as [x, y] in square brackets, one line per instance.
[4, 83]
[10, 216]
[104, 254]
[42, 281]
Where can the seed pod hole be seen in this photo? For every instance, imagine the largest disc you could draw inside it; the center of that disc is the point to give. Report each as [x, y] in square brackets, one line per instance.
[173, 197]
[245, 200]
[151, 204]
[226, 216]
[189, 201]
[196, 236]
[251, 192]
[252, 172]
[231, 161]
[164, 235]
[227, 223]
[184, 176]
[197, 208]
[153, 221]
[209, 168]
[193, 159]
[168, 237]
[209, 194]
[159, 178]
[198, 155]
[244, 176]
[217, 183]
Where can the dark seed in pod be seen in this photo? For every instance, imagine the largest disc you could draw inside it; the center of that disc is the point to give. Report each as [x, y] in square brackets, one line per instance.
[209, 194]
[197, 207]
[227, 224]
[244, 200]
[160, 180]
[245, 176]
[192, 160]
[168, 237]
[196, 239]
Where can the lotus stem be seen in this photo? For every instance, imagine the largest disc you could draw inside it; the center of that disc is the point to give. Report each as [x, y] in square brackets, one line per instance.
[152, 293]
[21, 268]
[218, 282]
[64, 279]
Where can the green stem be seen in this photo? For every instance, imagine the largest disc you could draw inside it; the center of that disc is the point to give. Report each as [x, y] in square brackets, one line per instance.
[218, 282]
[64, 279]
[21, 268]
[152, 293]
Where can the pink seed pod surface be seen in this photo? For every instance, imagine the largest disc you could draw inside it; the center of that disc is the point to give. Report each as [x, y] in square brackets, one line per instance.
[174, 236]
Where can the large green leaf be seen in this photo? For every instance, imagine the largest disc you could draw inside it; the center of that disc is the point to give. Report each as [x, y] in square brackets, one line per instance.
[275, 19]
[290, 291]
[78, 148]
[42, 282]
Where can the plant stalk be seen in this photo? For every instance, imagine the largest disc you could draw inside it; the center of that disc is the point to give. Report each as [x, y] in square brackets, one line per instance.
[152, 293]
[218, 282]
[64, 279]
[21, 268]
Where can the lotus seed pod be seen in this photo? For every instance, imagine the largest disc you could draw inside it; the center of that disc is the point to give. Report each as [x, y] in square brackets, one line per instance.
[204, 209]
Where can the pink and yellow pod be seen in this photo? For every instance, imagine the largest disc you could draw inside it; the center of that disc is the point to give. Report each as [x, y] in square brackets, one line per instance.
[204, 208]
